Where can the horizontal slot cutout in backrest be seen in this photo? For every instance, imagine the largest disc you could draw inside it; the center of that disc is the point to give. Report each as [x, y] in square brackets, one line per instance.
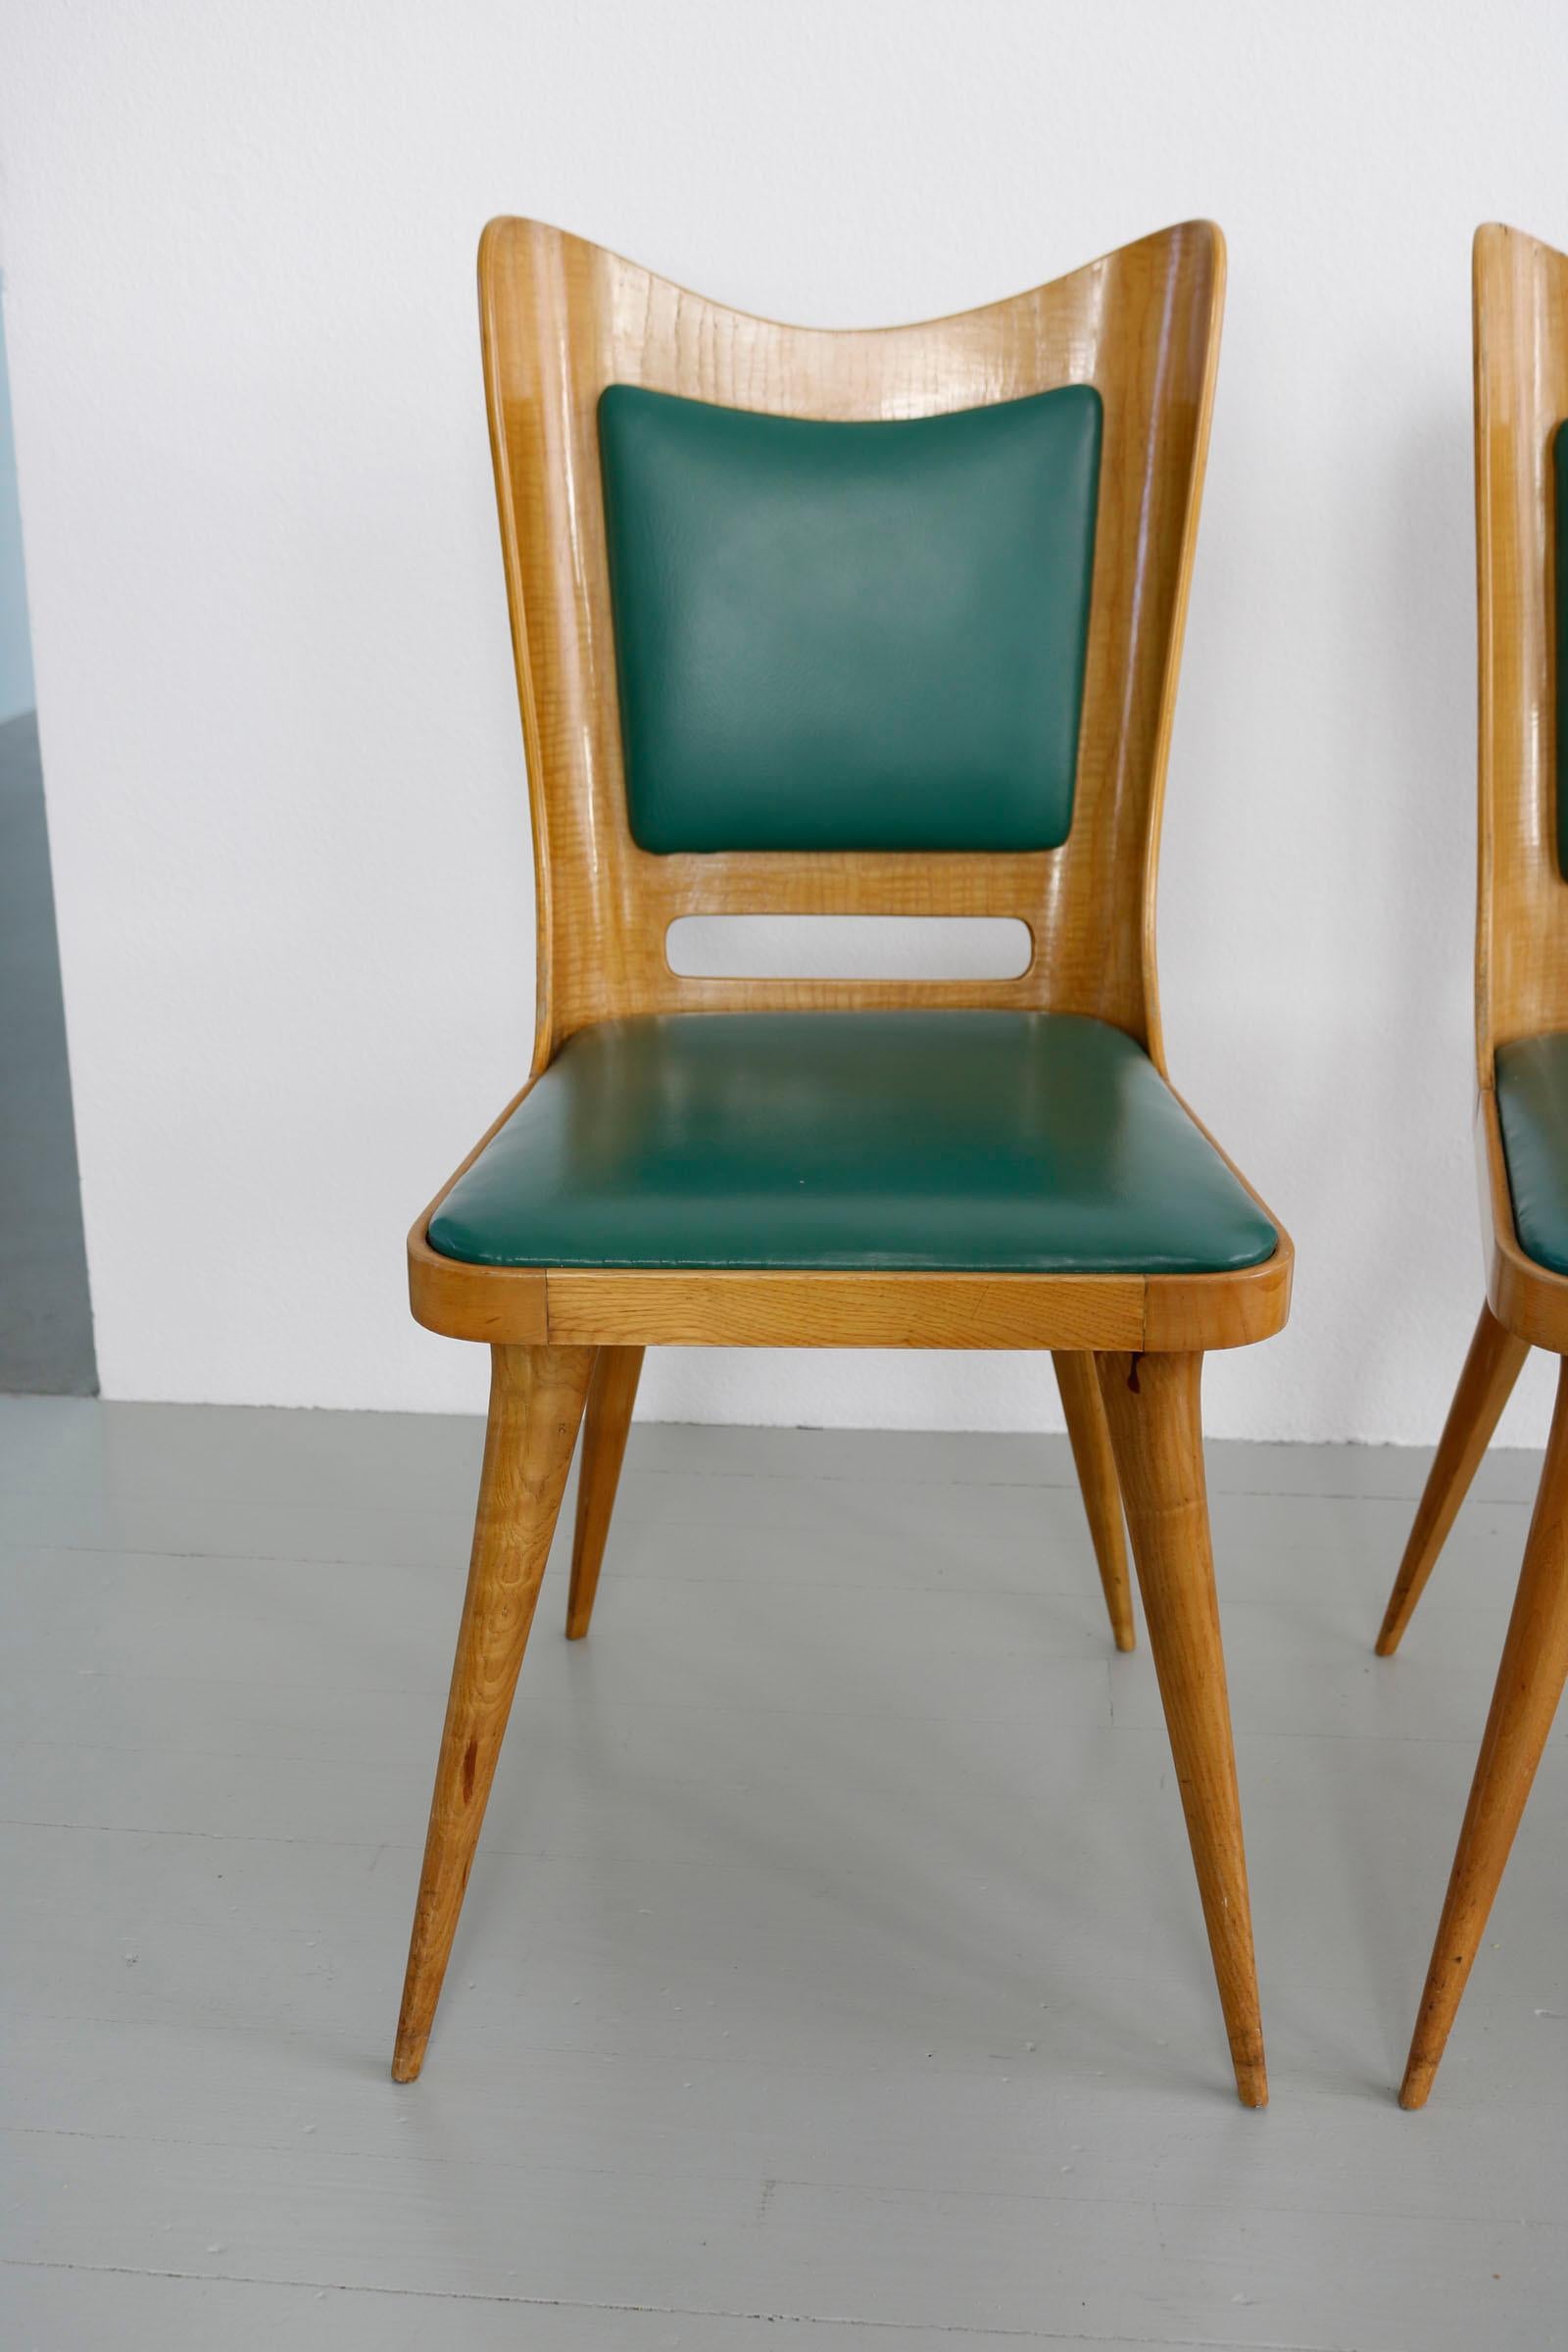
[849, 947]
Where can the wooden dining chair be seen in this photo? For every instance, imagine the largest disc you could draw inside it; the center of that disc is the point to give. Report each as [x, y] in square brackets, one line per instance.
[881, 623]
[1521, 400]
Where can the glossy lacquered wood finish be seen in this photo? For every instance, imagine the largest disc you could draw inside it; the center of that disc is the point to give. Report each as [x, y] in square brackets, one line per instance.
[1151, 1404]
[561, 321]
[526, 1305]
[1491, 1367]
[1089, 1434]
[1530, 1683]
[733, 1308]
[605, 1424]
[536, 1402]
[1521, 397]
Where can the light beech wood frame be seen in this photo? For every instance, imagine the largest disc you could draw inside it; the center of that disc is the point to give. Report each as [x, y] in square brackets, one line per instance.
[561, 319]
[1521, 396]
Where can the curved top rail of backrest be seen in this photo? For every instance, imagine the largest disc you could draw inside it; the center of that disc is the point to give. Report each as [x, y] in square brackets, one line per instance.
[1521, 397]
[563, 319]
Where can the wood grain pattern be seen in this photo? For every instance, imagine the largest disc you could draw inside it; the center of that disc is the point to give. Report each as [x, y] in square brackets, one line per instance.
[561, 319]
[649, 1308]
[1089, 1435]
[1151, 1404]
[607, 1422]
[1521, 396]
[844, 1311]
[536, 1402]
[1492, 1365]
[1530, 1683]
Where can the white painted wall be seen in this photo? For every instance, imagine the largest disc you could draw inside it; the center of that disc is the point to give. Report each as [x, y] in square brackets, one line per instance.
[15, 658]
[283, 754]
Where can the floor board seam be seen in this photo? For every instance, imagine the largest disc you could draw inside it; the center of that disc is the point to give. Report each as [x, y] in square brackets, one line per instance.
[676, 2311]
[1049, 2199]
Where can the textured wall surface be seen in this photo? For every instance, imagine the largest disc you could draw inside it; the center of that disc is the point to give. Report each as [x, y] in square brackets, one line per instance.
[280, 737]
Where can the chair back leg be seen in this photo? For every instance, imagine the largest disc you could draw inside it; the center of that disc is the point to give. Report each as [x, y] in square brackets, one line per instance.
[536, 1402]
[1151, 1404]
[1096, 1464]
[611, 1393]
[1486, 1383]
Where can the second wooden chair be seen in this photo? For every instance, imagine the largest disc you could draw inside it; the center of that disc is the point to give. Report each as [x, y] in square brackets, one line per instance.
[1521, 399]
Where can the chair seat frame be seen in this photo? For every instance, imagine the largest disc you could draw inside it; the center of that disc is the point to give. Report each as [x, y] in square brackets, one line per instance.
[741, 1307]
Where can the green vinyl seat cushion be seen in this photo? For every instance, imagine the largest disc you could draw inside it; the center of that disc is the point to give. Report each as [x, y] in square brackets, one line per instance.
[1532, 1083]
[1031, 1142]
[837, 635]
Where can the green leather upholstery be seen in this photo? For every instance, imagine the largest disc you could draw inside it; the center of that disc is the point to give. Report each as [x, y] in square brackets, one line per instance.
[1559, 448]
[1038, 1142]
[835, 636]
[1531, 1082]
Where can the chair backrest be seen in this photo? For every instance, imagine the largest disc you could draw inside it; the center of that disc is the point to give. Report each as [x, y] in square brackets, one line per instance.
[1521, 400]
[1000, 508]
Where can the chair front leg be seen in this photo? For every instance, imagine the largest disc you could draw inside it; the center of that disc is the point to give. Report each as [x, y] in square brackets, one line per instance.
[1096, 1465]
[1530, 1683]
[1152, 1402]
[536, 1402]
[611, 1393]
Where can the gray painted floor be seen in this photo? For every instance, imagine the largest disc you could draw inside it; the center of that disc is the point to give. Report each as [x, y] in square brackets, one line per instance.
[45, 1318]
[832, 1974]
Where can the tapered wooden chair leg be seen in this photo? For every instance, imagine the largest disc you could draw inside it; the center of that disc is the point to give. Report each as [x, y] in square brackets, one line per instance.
[1151, 1404]
[1096, 1465]
[1486, 1383]
[611, 1393]
[1530, 1683]
[536, 1401]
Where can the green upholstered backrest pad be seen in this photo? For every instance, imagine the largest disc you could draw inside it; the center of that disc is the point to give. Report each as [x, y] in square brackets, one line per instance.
[1559, 446]
[846, 636]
